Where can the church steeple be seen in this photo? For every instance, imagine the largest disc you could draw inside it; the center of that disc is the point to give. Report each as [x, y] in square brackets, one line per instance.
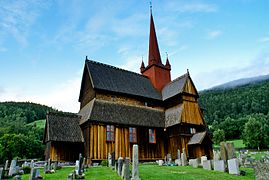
[154, 53]
[156, 71]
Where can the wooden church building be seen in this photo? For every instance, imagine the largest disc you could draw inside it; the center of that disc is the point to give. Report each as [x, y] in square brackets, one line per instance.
[119, 108]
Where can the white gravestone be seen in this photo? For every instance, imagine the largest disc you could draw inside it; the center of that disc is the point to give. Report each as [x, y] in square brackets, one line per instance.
[207, 165]
[219, 165]
[233, 166]
[135, 171]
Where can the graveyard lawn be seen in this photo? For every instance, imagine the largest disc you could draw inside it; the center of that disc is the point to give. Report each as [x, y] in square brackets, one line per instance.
[151, 172]
[238, 144]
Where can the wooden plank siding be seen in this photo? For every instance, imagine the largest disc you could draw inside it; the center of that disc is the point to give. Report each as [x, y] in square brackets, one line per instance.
[99, 148]
[192, 113]
[65, 151]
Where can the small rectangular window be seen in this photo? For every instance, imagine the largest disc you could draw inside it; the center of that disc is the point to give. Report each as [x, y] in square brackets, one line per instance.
[110, 133]
[132, 135]
[152, 136]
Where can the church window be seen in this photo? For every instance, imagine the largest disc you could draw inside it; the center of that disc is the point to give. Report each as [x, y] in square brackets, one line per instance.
[132, 135]
[152, 136]
[110, 133]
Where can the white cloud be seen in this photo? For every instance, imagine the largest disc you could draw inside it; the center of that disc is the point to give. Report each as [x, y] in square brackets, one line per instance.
[264, 40]
[132, 64]
[214, 34]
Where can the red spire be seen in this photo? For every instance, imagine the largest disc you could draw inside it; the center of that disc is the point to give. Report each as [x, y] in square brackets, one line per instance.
[167, 64]
[142, 67]
[154, 53]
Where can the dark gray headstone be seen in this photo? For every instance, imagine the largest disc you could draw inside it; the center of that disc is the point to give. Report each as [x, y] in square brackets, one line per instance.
[1, 172]
[223, 151]
[120, 164]
[125, 169]
[33, 174]
[80, 164]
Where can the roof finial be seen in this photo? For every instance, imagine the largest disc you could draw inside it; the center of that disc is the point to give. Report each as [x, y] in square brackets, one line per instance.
[166, 55]
[86, 57]
[188, 71]
[150, 6]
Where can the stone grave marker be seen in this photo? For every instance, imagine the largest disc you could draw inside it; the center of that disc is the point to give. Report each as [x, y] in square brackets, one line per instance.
[160, 162]
[120, 164]
[207, 165]
[194, 163]
[32, 173]
[219, 165]
[17, 177]
[80, 164]
[178, 154]
[109, 159]
[6, 165]
[135, 171]
[216, 155]
[223, 151]
[184, 161]
[169, 159]
[1, 172]
[203, 158]
[49, 164]
[178, 162]
[233, 166]
[230, 150]
[116, 166]
[126, 172]
[12, 168]
[261, 171]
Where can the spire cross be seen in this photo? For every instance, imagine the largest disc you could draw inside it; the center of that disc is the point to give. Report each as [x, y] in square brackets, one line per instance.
[150, 6]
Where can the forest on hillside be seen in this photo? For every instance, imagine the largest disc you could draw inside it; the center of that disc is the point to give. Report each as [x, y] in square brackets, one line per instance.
[240, 112]
[19, 136]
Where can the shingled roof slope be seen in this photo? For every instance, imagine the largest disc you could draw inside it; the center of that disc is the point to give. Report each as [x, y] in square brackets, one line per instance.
[110, 78]
[174, 87]
[197, 138]
[63, 127]
[110, 112]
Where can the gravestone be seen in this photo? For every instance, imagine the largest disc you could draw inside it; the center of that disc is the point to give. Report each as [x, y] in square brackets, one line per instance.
[207, 165]
[109, 159]
[120, 164]
[113, 158]
[17, 177]
[165, 160]
[203, 158]
[160, 162]
[84, 164]
[32, 164]
[216, 155]
[49, 164]
[223, 151]
[194, 162]
[184, 161]
[45, 167]
[77, 166]
[230, 150]
[12, 168]
[169, 159]
[178, 154]
[116, 166]
[6, 165]
[135, 171]
[219, 165]
[32, 173]
[233, 166]
[1, 172]
[178, 162]
[125, 169]
[261, 171]
[80, 164]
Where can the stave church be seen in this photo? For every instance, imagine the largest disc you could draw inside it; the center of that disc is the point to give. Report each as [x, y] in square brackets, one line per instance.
[119, 108]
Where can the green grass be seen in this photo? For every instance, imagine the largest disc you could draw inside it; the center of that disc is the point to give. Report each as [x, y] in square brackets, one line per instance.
[95, 173]
[150, 172]
[39, 123]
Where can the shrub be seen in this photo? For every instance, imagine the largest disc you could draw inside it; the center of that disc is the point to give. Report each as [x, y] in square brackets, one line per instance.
[104, 163]
[26, 169]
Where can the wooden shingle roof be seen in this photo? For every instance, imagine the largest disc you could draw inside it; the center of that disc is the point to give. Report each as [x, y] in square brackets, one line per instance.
[110, 78]
[63, 127]
[111, 112]
[197, 138]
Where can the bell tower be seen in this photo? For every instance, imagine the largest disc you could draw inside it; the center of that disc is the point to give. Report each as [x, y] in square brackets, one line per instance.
[156, 71]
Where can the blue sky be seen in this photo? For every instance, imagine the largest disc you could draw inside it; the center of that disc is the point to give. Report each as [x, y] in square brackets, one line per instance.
[43, 44]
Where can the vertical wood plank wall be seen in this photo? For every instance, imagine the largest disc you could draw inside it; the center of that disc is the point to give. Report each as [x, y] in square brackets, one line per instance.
[99, 147]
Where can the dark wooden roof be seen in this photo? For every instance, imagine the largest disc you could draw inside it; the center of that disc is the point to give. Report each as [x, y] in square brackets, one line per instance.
[110, 78]
[63, 127]
[174, 87]
[115, 113]
[197, 138]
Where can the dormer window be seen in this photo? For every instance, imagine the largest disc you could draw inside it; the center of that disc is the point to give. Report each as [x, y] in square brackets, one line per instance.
[192, 130]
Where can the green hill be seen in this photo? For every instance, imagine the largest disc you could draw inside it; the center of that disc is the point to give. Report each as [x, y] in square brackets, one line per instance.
[21, 130]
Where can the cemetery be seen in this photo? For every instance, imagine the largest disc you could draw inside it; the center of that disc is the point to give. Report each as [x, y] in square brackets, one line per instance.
[225, 164]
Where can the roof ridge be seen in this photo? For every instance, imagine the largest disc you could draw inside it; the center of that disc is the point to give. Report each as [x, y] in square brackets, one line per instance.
[113, 67]
[186, 74]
